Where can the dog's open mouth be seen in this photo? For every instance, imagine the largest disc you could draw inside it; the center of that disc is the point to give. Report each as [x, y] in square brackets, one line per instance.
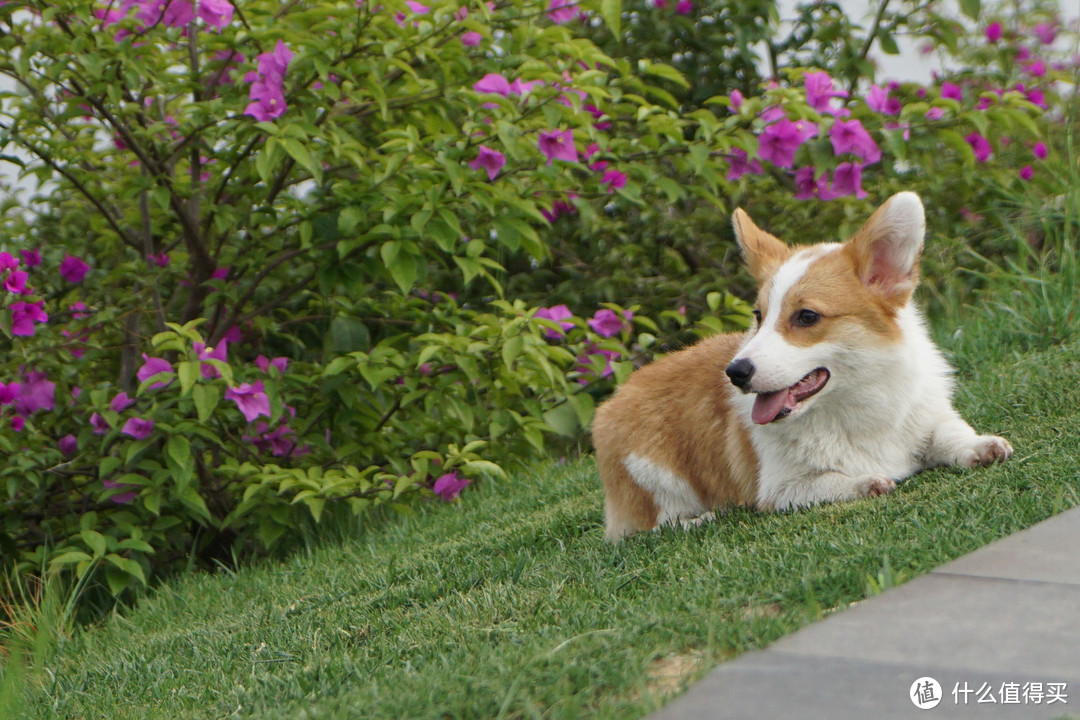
[772, 406]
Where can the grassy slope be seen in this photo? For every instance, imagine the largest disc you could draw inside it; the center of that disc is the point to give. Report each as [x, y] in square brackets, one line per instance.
[509, 604]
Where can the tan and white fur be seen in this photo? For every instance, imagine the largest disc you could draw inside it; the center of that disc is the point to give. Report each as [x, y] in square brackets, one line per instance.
[836, 392]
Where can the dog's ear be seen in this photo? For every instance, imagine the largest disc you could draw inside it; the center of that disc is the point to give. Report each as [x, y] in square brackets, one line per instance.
[886, 249]
[762, 252]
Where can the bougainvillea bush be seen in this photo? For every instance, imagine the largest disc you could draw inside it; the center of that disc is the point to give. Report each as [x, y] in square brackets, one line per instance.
[286, 260]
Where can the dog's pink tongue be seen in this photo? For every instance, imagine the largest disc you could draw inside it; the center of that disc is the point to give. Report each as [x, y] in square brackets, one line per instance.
[768, 406]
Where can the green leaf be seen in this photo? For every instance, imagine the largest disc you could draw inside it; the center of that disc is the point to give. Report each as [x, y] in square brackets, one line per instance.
[611, 11]
[128, 565]
[888, 43]
[70, 557]
[510, 350]
[206, 399]
[584, 405]
[562, 419]
[178, 455]
[663, 71]
[971, 8]
[299, 152]
[95, 541]
[188, 371]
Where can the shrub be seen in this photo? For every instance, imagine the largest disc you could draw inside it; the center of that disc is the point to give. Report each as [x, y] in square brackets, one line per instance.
[288, 259]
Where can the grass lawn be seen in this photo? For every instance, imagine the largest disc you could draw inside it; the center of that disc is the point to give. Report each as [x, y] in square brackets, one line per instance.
[509, 603]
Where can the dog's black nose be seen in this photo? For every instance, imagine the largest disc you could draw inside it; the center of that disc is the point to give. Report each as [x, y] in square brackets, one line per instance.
[740, 373]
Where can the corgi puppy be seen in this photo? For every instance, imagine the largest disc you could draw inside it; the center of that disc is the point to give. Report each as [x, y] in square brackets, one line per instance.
[836, 392]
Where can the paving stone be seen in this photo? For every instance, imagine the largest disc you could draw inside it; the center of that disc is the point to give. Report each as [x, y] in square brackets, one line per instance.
[778, 686]
[1047, 552]
[982, 624]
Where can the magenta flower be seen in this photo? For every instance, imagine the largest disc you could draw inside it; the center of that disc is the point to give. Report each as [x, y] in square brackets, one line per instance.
[35, 393]
[1035, 97]
[100, 424]
[684, 7]
[935, 113]
[18, 423]
[585, 361]
[993, 32]
[1045, 32]
[8, 262]
[471, 38]
[449, 486]
[138, 428]
[562, 11]
[736, 99]
[73, 269]
[559, 207]
[24, 315]
[15, 282]
[30, 258]
[68, 444]
[492, 83]
[951, 90]
[779, 142]
[805, 187]
[820, 91]
[221, 352]
[847, 180]
[1026, 172]
[878, 100]
[614, 179]
[154, 366]
[250, 399]
[739, 165]
[851, 137]
[558, 145]
[161, 260]
[120, 498]
[557, 313]
[121, 402]
[1035, 68]
[264, 363]
[267, 91]
[215, 13]
[980, 145]
[461, 13]
[9, 392]
[490, 160]
[522, 88]
[606, 323]
[1039, 150]
[418, 8]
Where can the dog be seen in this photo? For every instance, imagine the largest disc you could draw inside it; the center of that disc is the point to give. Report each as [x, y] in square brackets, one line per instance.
[835, 392]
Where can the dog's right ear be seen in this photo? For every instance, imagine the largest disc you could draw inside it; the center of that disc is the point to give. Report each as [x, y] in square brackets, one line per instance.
[762, 252]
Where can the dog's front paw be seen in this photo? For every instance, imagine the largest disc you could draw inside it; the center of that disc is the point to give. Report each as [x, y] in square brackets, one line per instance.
[987, 450]
[874, 485]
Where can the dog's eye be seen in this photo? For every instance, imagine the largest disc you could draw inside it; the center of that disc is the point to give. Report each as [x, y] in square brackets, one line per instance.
[805, 318]
[757, 315]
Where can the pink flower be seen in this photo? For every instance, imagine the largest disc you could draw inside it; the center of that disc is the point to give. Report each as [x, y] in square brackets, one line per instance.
[951, 90]
[24, 315]
[120, 498]
[557, 313]
[1039, 150]
[8, 262]
[221, 352]
[851, 137]
[1035, 68]
[121, 402]
[418, 8]
[935, 113]
[138, 428]
[559, 207]
[36, 392]
[15, 282]
[161, 260]
[585, 362]
[558, 145]
[18, 423]
[68, 444]
[461, 13]
[471, 38]
[879, 101]
[264, 363]
[819, 90]
[154, 366]
[267, 92]
[562, 11]
[250, 399]
[30, 258]
[215, 13]
[449, 486]
[779, 142]
[736, 99]
[1045, 32]
[490, 160]
[993, 32]
[73, 269]
[1035, 97]
[606, 323]
[9, 392]
[847, 180]
[492, 83]
[100, 424]
[684, 7]
[738, 165]
[980, 145]
[805, 187]
[614, 179]
[1026, 172]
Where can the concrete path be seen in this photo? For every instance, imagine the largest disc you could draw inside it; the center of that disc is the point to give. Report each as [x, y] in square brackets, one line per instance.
[1002, 623]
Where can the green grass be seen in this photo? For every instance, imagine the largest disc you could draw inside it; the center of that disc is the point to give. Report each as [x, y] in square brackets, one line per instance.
[509, 603]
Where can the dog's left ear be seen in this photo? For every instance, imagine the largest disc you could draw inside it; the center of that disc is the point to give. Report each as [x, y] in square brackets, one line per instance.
[886, 249]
